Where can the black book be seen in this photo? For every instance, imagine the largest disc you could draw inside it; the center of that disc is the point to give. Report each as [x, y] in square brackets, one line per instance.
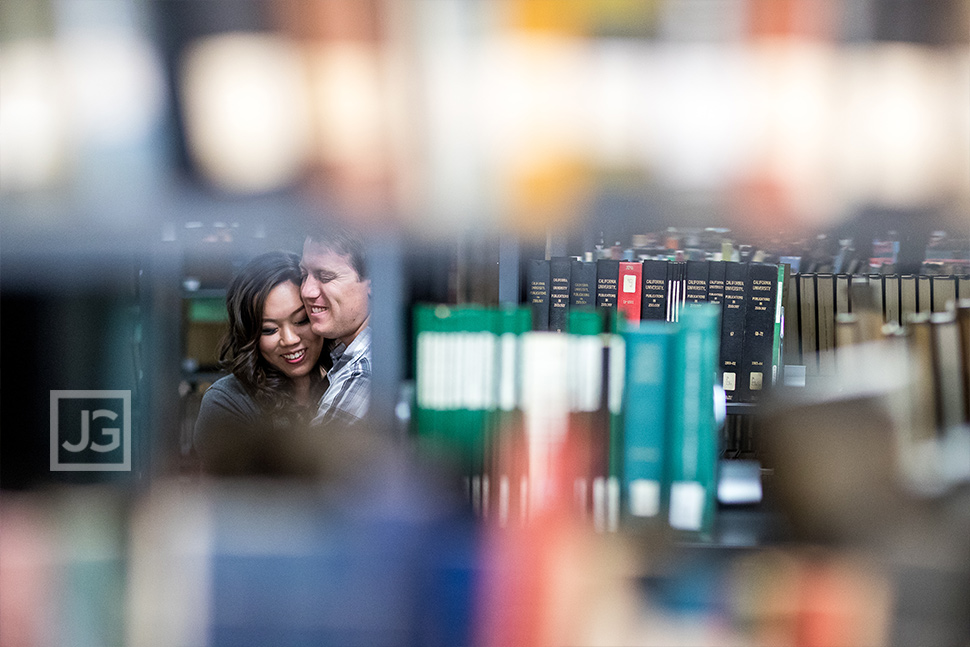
[653, 305]
[537, 277]
[761, 292]
[695, 284]
[715, 281]
[582, 284]
[559, 269]
[963, 286]
[675, 289]
[732, 328]
[607, 275]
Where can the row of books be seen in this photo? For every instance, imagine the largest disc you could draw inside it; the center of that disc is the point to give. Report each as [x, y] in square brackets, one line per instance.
[632, 413]
[821, 308]
[747, 295]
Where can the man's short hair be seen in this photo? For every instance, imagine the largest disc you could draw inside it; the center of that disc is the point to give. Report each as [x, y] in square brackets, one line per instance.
[343, 241]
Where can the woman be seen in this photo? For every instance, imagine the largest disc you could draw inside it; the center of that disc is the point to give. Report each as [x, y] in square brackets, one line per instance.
[274, 359]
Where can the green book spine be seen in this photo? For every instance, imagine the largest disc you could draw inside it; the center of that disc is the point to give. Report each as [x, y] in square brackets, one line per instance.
[646, 418]
[693, 450]
[776, 347]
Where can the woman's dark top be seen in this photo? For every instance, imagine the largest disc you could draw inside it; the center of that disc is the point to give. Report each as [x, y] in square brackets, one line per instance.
[232, 431]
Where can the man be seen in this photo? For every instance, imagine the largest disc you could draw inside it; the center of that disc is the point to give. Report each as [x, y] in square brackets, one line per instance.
[336, 293]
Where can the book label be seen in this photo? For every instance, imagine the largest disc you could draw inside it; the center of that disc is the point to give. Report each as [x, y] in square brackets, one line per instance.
[686, 505]
[644, 498]
[630, 284]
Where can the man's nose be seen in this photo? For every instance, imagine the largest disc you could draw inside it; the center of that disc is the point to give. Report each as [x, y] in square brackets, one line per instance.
[310, 288]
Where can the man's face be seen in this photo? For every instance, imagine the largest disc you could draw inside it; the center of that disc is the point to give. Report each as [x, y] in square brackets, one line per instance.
[336, 299]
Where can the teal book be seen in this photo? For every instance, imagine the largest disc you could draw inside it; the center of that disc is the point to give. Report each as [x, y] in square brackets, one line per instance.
[646, 417]
[693, 438]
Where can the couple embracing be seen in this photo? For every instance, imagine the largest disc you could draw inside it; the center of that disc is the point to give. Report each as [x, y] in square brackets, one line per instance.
[298, 347]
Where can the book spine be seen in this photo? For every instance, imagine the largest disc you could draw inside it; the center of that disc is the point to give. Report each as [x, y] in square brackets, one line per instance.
[732, 328]
[759, 328]
[908, 303]
[793, 344]
[779, 337]
[693, 450]
[891, 285]
[629, 293]
[696, 275]
[582, 284]
[877, 286]
[607, 277]
[675, 290]
[947, 369]
[842, 282]
[715, 281]
[653, 306]
[646, 418]
[825, 306]
[944, 292]
[924, 294]
[559, 269]
[808, 316]
[537, 276]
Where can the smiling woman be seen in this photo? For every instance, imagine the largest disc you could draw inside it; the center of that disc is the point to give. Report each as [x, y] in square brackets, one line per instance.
[274, 358]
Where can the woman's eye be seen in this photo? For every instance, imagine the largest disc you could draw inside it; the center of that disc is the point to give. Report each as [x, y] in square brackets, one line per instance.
[268, 331]
[304, 321]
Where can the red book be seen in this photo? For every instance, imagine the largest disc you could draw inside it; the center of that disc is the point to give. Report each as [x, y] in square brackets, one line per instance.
[628, 291]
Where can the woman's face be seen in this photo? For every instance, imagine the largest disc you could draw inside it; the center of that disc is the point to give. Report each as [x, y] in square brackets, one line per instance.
[286, 341]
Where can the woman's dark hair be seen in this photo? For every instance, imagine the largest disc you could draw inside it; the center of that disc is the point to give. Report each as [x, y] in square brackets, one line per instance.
[239, 353]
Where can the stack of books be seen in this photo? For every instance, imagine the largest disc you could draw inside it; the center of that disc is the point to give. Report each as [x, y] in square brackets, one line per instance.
[633, 410]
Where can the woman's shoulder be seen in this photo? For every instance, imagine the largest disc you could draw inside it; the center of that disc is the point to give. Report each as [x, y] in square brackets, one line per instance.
[229, 390]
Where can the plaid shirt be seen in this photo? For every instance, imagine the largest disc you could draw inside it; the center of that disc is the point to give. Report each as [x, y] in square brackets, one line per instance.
[345, 400]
